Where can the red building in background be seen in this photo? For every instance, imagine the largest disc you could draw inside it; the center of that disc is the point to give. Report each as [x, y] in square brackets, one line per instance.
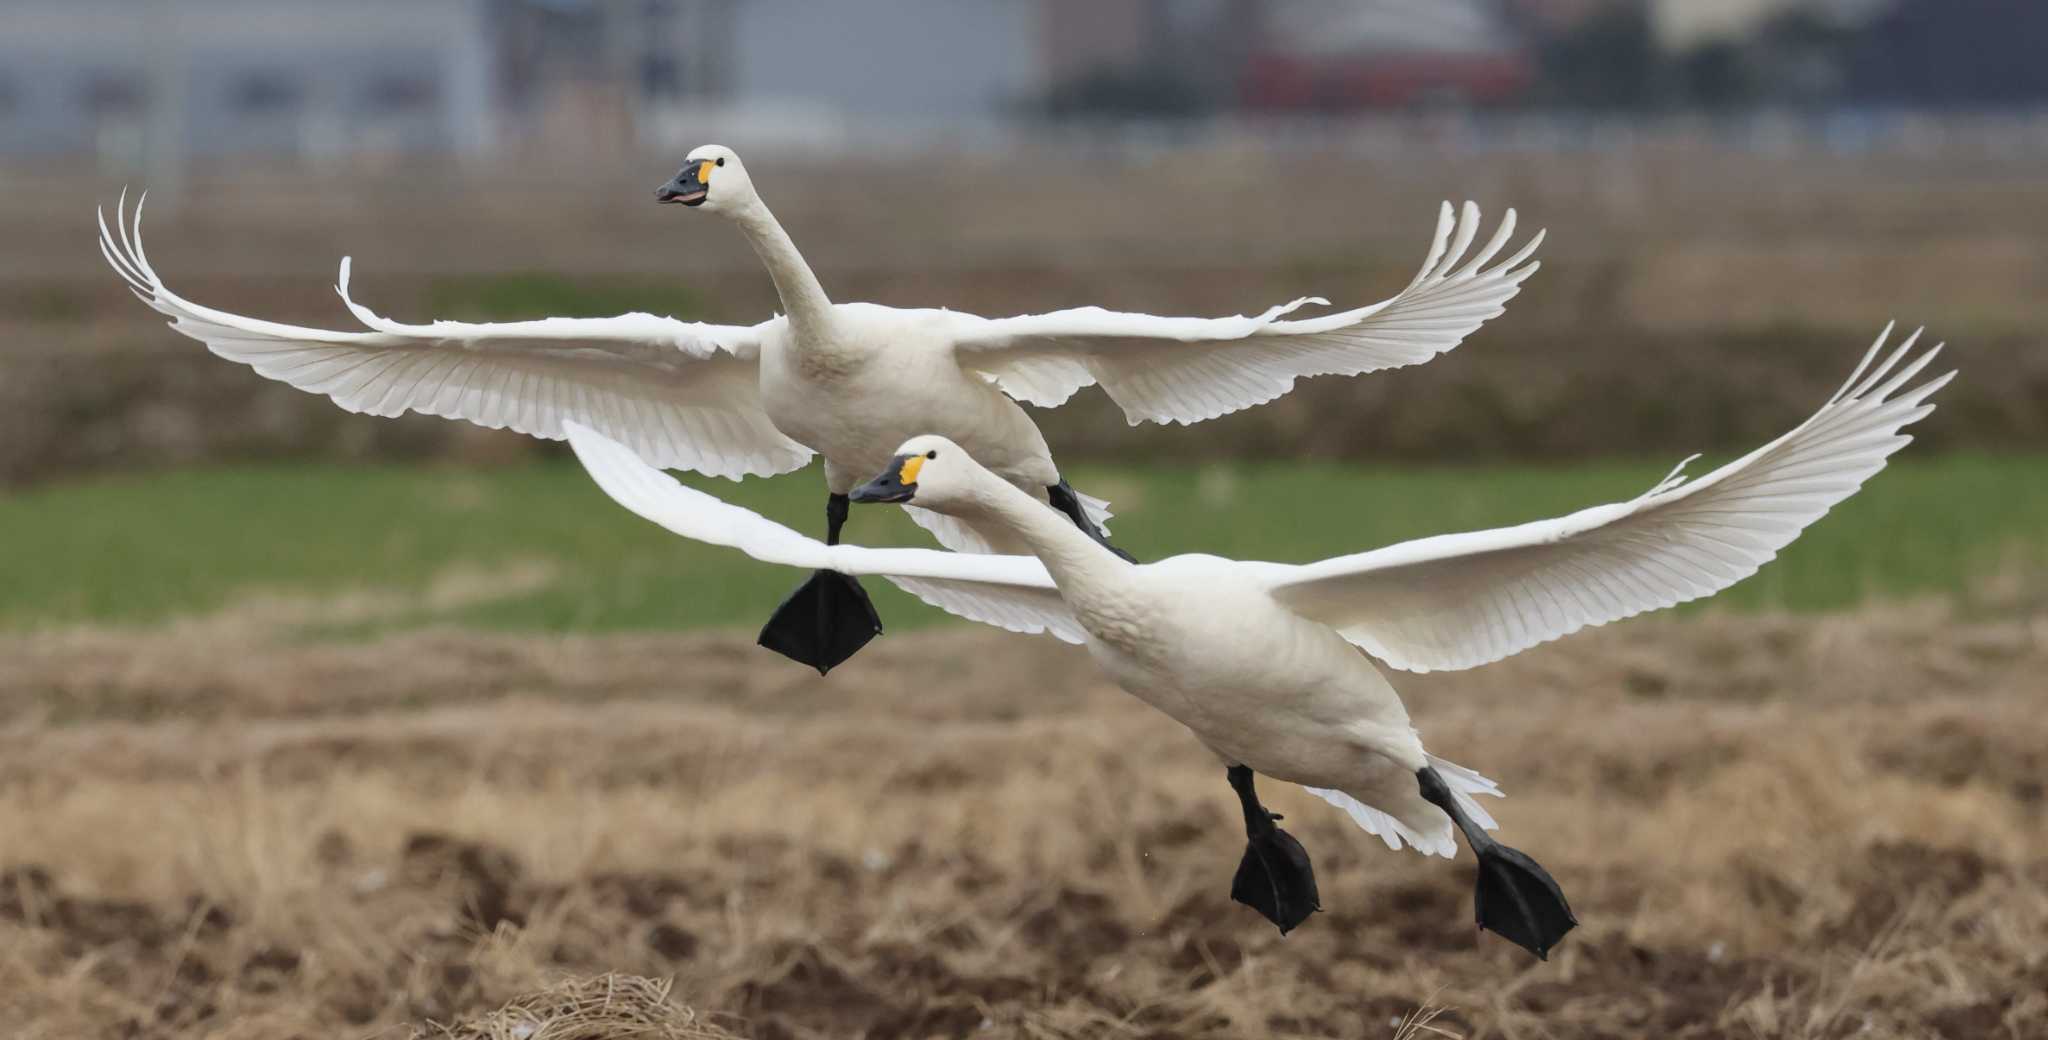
[1341, 55]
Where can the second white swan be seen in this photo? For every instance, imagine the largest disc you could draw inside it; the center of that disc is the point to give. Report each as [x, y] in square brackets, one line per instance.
[1262, 661]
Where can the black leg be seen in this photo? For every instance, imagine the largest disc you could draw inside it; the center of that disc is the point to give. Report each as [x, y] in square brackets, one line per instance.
[836, 508]
[1517, 899]
[828, 618]
[1274, 877]
[1066, 501]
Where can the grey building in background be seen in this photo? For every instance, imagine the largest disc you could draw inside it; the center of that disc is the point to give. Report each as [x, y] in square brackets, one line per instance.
[156, 82]
[601, 75]
[164, 78]
[889, 57]
[172, 79]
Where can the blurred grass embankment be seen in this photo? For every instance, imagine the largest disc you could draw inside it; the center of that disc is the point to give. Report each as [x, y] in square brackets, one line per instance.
[546, 551]
[1690, 300]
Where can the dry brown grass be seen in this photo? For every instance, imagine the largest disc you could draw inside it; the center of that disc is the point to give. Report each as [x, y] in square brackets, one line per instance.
[1770, 827]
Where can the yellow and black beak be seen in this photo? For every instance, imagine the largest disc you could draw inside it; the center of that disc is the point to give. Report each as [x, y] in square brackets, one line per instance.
[898, 483]
[689, 186]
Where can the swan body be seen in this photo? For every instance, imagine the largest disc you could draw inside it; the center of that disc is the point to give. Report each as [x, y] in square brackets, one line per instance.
[1262, 661]
[888, 376]
[1201, 639]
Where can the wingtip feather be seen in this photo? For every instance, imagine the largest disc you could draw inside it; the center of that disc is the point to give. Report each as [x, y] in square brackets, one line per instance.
[114, 247]
[1885, 367]
[1856, 373]
[1501, 236]
[1528, 249]
[1445, 221]
[1466, 230]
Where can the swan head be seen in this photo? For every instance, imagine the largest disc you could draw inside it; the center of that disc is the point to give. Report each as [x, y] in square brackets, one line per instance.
[712, 177]
[930, 470]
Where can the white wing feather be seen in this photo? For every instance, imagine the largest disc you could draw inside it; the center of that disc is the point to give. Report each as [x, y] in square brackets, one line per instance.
[1010, 592]
[682, 394]
[1462, 600]
[1185, 370]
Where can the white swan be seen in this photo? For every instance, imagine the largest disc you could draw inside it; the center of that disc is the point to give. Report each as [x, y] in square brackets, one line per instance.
[1262, 661]
[850, 381]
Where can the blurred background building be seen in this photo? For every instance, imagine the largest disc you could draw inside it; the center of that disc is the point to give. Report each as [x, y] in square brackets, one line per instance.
[237, 77]
[192, 79]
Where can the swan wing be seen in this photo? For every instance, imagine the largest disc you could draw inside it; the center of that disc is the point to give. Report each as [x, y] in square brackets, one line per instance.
[1010, 592]
[1462, 600]
[1185, 370]
[683, 394]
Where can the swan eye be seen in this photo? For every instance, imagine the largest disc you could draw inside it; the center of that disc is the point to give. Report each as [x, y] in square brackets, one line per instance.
[721, 160]
[932, 454]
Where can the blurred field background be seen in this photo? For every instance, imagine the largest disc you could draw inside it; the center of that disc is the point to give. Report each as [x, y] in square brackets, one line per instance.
[324, 725]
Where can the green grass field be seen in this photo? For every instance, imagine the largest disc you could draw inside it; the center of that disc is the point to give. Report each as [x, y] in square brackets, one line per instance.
[142, 549]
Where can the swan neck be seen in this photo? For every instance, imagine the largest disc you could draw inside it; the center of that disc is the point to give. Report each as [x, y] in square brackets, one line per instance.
[803, 299]
[1074, 559]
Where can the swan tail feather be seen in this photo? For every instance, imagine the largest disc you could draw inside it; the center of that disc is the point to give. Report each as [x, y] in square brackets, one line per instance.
[1097, 511]
[1427, 829]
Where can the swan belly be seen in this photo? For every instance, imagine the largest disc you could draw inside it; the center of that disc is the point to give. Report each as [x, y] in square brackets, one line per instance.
[857, 415]
[1257, 683]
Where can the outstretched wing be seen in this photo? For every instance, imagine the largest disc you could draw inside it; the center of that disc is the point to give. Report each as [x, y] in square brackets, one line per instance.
[1461, 600]
[1185, 370]
[682, 394]
[1011, 592]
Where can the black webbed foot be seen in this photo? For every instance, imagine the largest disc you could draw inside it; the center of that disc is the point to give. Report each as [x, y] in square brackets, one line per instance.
[1274, 877]
[824, 622]
[1520, 902]
[1516, 899]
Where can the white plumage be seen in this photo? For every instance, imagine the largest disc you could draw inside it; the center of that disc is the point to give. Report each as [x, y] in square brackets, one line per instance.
[1259, 659]
[1461, 600]
[1185, 370]
[1464, 783]
[848, 381]
[679, 393]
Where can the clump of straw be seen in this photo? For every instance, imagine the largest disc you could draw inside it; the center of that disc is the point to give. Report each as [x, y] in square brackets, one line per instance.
[599, 1007]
